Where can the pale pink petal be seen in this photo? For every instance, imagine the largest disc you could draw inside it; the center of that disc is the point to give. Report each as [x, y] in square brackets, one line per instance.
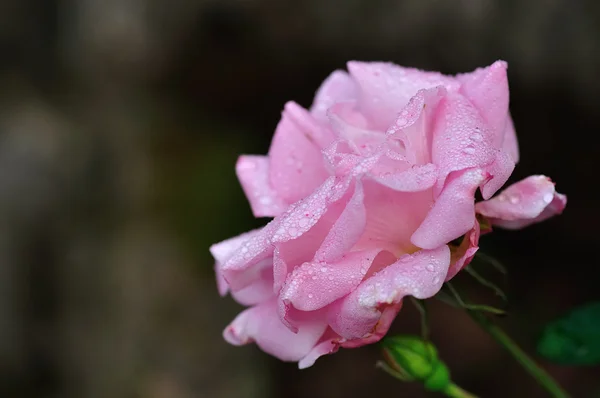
[386, 88]
[261, 324]
[526, 202]
[315, 284]
[326, 347]
[511, 144]
[392, 217]
[499, 170]
[388, 314]
[240, 269]
[253, 173]
[296, 163]
[260, 290]
[347, 229]
[464, 253]
[222, 251]
[487, 89]
[338, 87]
[304, 227]
[351, 126]
[304, 214]
[420, 275]
[414, 179]
[414, 124]
[453, 213]
[461, 138]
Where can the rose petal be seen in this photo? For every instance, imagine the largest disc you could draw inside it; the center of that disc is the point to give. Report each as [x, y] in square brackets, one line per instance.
[261, 324]
[240, 269]
[326, 347]
[316, 284]
[347, 229]
[386, 88]
[487, 89]
[511, 145]
[420, 275]
[526, 202]
[414, 125]
[499, 170]
[453, 213]
[462, 256]
[253, 173]
[260, 290]
[222, 251]
[461, 138]
[338, 87]
[392, 217]
[296, 164]
[414, 179]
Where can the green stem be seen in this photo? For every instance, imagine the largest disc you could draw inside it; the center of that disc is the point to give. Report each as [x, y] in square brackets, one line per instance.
[455, 391]
[543, 378]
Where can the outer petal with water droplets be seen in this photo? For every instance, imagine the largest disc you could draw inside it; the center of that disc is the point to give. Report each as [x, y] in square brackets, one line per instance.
[526, 202]
[347, 229]
[487, 89]
[510, 144]
[253, 173]
[240, 268]
[453, 213]
[420, 275]
[316, 284]
[222, 251]
[338, 87]
[296, 164]
[461, 138]
[261, 324]
[385, 88]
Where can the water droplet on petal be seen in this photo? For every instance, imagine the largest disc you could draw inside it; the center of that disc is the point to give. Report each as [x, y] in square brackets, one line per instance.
[310, 295]
[514, 199]
[436, 279]
[476, 137]
[469, 150]
[430, 267]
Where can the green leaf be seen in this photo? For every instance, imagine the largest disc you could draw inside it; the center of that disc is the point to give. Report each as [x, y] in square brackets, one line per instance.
[573, 339]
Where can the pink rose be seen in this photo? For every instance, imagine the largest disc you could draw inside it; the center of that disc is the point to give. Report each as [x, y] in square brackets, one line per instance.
[367, 190]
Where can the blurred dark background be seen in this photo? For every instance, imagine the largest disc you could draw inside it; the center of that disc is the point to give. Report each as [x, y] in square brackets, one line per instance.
[121, 120]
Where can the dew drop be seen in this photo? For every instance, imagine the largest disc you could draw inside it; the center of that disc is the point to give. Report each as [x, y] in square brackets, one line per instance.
[293, 231]
[323, 269]
[436, 279]
[469, 150]
[476, 137]
[310, 295]
[514, 200]
[430, 267]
